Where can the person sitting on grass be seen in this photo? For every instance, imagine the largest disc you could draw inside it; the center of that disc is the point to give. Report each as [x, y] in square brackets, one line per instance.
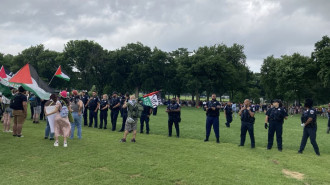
[134, 112]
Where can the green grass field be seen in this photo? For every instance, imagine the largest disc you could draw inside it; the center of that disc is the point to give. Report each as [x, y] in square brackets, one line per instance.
[99, 158]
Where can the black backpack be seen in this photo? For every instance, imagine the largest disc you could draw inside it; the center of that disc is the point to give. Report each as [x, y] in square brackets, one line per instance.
[14, 103]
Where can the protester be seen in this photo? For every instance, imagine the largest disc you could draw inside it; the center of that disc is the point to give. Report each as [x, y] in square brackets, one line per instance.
[134, 112]
[77, 112]
[19, 106]
[145, 117]
[7, 111]
[247, 120]
[36, 110]
[50, 105]
[62, 124]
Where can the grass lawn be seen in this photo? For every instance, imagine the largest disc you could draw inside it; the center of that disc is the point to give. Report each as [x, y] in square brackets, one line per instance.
[99, 158]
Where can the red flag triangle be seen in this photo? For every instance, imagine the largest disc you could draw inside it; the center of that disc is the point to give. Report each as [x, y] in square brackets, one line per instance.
[3, 73]
[59, 71]
[22, 76]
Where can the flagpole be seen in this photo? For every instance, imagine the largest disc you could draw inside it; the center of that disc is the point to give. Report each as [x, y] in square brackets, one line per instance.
[51, 80]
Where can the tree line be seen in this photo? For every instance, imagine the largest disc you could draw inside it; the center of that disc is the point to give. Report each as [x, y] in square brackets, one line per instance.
[217, 69]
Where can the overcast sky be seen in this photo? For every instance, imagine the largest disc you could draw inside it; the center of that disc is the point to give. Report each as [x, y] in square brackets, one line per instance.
[264, 27]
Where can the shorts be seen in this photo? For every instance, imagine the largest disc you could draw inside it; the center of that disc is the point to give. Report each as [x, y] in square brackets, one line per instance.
[37, 109]
[8, 110]
[131, 126]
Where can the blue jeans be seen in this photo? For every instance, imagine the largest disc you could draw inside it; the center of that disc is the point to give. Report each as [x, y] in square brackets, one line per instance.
[47, 130]
[76, 123]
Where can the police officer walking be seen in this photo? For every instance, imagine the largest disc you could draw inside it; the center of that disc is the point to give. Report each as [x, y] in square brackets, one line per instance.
[212, 109]
[115, 107]
[308, 121]
[173, 110]
[145, 117]
[247, 120]
[93, 106]
[104, 106]
[228, 113]
[84, 99]
[275, 117]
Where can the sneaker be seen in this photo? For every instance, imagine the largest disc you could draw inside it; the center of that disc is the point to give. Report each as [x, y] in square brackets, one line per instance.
[46, 137]
[65, 144]
[133, 140]
[20, 136]
[14, 135]
[240, 145]
[123, 140]
[206, 140]
[9, 131]
[218, 141]
[300, 152]
[51, 139]
[56, 143]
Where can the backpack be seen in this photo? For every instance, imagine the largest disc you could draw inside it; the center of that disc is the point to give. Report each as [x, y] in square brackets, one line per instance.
[64, 112]
[14, 103]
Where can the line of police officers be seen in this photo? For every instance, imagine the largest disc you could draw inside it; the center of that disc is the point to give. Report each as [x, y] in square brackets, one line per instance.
[273, 122]
[94, 104]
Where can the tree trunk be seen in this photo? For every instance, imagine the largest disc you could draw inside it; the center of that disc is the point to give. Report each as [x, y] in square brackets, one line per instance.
[197, 98]
[192, 96]
[136, 92]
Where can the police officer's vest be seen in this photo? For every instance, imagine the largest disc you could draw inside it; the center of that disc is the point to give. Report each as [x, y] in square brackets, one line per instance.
[276, 114]
[173, 107]
[246, 117]
[307, 114]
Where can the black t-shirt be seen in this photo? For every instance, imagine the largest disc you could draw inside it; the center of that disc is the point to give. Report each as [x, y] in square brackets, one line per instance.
[17, 102]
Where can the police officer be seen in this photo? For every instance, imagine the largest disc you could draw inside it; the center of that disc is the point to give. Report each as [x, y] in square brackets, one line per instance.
[124, 112]
[104, 106]
[275, 117]
[247, 120]
[93, 106]
[173, 110]
[84, 99]
[228, 113]
[212, 109]
[115, 107]
[308, 121]
[145, 117]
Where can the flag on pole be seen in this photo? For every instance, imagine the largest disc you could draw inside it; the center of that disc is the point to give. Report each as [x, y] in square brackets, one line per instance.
[4, 84]
[152, 99]
[28, 77]
[59, 73]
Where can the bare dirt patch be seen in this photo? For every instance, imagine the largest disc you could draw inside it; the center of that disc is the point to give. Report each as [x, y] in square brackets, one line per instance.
[292, 174]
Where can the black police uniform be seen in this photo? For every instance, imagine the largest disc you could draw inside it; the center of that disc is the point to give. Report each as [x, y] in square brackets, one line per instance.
[309, 130]
[173, 117]
[103, 114]
[212, 118]
[92, 114]
[154, 111]
[276, 119]
[114, 112]
[145, 117]
[229, 115]
[85, 99]
[124, 114]
[247, 125]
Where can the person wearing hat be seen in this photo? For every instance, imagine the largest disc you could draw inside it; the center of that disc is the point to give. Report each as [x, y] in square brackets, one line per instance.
[19, 106]
[114, 107]
[308, 122]
[275, 117]
[93, 106]
[84, 99]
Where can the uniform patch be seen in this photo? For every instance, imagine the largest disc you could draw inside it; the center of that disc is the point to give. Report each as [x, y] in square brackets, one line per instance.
[311, 111]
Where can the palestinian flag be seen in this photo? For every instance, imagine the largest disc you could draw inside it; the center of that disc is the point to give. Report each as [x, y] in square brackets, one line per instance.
[29, 79]
[4, 84]
[152, 99]
[59, 73]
